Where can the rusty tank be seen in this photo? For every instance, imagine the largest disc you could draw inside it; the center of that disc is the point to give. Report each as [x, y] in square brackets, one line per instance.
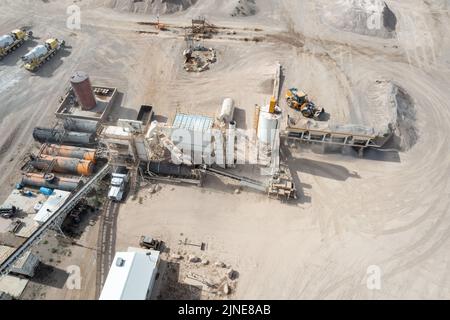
[82, 88]
[69, 152]
[50, 181]
[64, 165]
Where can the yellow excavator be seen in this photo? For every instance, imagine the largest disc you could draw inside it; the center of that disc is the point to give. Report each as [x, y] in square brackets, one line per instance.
[298, 100]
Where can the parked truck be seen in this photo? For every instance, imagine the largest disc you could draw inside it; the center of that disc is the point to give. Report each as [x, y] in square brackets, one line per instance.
[13, 40]
[119, 181]
[149, 242]
[42, 53]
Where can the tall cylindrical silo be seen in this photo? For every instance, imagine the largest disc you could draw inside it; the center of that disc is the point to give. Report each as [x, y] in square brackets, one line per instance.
[267, 127]
[83, 90]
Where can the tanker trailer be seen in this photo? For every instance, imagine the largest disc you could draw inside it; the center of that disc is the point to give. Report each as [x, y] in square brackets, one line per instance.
[42, 53]
[13, 40]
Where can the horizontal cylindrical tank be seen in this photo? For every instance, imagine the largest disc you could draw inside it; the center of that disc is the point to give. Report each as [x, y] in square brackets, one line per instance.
[80, 125]
[60, 183]
[44, 135]
[64, 165]
[35, 53]
[69, 152]
[83, 90]
[267, 125]
[226, 111]
[168, 169]
[6, 41]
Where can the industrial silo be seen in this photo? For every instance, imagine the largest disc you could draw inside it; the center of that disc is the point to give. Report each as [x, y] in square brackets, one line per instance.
[267, 127]
[83, 90]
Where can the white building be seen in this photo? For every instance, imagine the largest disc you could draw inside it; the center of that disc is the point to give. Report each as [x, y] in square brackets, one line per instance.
[53, 203]
[131, 276]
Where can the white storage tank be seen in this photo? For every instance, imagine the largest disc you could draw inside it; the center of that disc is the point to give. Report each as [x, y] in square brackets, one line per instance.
[227, 110]
[267, 126]
[37, 52]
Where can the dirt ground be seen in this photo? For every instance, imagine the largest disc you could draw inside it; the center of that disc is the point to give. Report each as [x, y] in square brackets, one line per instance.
[390, 209]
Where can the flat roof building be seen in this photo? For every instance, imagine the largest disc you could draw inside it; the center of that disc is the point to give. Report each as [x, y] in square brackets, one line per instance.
[131, 276]
[53, 203]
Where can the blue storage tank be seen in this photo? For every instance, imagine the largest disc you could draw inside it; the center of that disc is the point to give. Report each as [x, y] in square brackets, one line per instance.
[46, 191]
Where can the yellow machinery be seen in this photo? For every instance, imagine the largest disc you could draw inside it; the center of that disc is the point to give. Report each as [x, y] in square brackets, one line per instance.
[42, 53]
[272, 104]
[298, 100]
[10, 42]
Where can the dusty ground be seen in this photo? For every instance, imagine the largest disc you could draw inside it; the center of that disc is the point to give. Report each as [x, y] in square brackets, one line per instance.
[389, 209]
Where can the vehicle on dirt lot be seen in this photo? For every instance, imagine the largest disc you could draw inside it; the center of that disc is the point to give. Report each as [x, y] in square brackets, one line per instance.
[42, 53]
[298, 100]
[119, 181]
[13, 40]
[150, 243]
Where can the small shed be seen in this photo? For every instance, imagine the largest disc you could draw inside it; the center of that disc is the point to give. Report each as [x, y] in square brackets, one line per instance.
[131, 276]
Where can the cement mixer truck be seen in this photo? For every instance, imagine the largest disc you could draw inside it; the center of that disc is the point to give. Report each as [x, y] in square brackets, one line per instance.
[13, 40]
[42, 53]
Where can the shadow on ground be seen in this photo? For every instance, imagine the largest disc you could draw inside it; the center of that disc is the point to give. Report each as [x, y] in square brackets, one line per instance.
[50, 276]
[170, 287]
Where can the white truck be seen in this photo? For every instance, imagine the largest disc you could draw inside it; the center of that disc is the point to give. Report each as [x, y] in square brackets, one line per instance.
[118, 184]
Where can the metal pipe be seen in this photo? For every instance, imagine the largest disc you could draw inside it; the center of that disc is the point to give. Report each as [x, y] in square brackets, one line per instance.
[69, 152]
[60, 183]
[64, 165]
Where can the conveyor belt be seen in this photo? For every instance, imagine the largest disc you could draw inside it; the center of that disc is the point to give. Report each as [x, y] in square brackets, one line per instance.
[329, 137]
[258, 185]
[56, 218]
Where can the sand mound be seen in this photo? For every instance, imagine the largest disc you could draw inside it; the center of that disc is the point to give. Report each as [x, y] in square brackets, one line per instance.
[366, 17]
[390, 111]
[150, 6]
[405, 133]
[244, 8]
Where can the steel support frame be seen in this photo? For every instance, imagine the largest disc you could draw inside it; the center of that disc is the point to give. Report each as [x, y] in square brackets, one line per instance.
[53, 222]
